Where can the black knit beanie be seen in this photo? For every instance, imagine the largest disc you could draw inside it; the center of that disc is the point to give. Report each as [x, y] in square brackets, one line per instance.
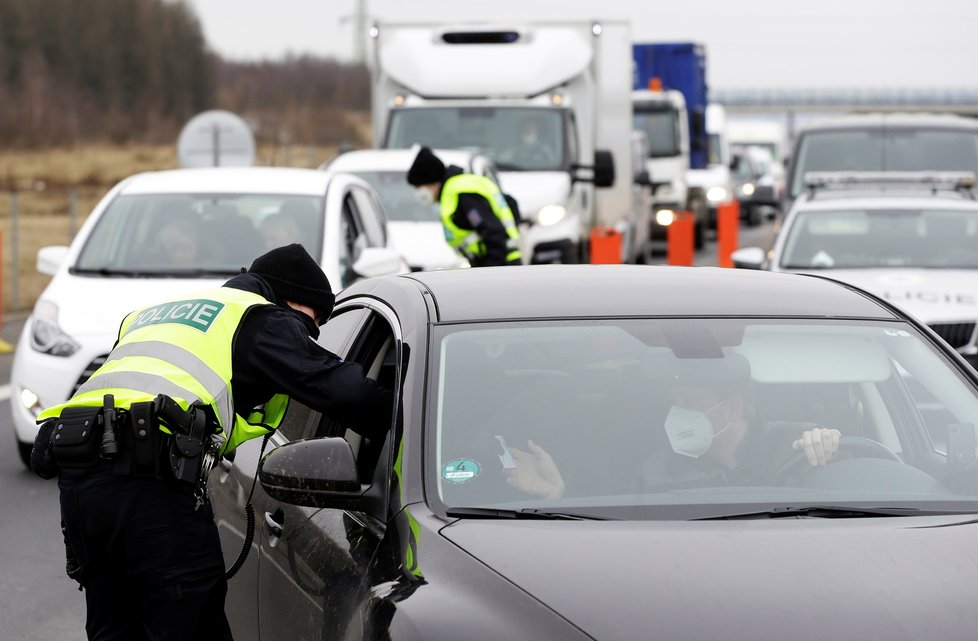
[426, 169]
[296, 277]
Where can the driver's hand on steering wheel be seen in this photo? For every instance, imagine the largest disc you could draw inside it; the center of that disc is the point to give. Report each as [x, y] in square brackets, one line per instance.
[820, 444]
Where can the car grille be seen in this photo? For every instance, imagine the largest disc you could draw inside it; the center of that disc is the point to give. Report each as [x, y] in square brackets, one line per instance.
[88, 371]
[957, 335]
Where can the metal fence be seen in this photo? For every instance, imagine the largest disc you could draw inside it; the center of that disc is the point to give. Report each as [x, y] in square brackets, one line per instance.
[31, 219]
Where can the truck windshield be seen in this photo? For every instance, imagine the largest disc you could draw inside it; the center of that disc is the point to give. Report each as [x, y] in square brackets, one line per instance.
[903, 149]
[515, 138]
[661, 128]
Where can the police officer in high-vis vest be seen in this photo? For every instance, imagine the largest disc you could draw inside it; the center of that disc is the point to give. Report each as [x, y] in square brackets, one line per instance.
[478, 219]
[187, 381]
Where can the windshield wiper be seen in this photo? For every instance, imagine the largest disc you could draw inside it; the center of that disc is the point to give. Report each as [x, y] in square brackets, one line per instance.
[525, 514]
[108, 271]
[819, 512]
[508, 166]
[154, 273]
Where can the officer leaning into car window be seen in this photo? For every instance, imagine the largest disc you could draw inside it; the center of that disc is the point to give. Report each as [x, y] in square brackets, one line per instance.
[478, 218]
[187, 380]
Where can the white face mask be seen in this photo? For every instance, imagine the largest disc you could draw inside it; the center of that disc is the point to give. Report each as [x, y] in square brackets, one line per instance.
[424, 196]
[530, 139]
[690, 432]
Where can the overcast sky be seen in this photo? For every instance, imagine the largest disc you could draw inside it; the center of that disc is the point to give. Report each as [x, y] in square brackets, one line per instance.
[752, 44]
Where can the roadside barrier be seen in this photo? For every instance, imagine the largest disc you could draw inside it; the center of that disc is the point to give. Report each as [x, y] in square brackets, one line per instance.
[728, 224]
[680, 239]
[605, 246]
[5, 347]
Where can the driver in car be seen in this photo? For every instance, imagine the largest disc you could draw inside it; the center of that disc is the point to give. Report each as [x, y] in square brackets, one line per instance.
[714, 435]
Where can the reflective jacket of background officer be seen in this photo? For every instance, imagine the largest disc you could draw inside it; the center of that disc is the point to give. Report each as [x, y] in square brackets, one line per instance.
[150, 562]
[478, 220]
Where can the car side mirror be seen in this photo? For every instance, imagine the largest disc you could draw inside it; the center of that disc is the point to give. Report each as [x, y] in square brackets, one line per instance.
[50, 259]
[378, 261]
[748, 258]
[319, 472]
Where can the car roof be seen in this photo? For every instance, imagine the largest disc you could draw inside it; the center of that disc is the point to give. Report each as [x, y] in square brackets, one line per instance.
[569, 291]
[391, 159]
[225, 180]
[898, 120]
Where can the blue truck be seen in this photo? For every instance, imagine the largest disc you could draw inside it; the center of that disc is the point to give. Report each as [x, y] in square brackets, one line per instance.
[679, 66]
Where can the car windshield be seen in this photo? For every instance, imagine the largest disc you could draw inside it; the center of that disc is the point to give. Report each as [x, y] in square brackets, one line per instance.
[661, 126]
[903, 149]
[189, 234]
[398, 197]
[675, 418]
[859, 238]
[516, 139]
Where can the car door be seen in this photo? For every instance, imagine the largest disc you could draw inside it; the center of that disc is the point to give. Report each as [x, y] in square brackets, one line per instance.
[313, 561]
[231, 483]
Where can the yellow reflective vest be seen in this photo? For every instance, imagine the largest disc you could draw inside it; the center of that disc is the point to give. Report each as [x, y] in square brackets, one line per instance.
[181, 348]
[467, 241]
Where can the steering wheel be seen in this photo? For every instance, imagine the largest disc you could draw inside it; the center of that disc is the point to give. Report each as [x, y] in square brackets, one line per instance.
[797, 465]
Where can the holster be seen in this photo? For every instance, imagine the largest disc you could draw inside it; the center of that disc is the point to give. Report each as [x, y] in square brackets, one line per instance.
[188, 435]
[144, 438]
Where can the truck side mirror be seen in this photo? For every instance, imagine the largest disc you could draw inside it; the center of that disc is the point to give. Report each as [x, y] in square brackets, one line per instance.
[643, 179]
[601, 173]
[604, 168]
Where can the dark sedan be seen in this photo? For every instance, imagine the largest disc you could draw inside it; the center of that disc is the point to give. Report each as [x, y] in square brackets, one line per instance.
[618, 453]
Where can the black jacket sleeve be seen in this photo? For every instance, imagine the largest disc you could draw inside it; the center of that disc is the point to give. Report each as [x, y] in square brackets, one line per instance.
[474, 212]
[274, 353]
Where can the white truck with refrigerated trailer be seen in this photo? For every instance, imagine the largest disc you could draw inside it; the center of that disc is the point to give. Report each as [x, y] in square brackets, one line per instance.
[548, 102]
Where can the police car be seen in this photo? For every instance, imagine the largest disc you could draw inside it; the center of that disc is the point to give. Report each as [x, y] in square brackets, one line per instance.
[415, 229]
[160, 234]
[909, 237]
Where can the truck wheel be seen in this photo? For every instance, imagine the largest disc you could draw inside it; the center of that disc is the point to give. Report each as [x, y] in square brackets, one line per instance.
[699, 235]
[571, 255]
[753, 216]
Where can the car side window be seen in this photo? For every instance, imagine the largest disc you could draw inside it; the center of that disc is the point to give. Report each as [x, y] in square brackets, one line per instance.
[375, 349]
[352, 240]
[371, 215]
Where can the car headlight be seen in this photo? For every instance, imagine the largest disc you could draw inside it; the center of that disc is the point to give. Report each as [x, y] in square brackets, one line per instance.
[665, 217]
[747, 189]
[551, 215]
[716, 194]
[47, 336]
[30, 401]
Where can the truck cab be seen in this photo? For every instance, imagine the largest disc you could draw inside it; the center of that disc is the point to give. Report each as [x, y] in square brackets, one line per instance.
[547, 102]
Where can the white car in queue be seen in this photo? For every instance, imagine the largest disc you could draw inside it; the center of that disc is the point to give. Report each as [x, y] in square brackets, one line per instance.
[161, 234]
[415, 229]
[908, 237]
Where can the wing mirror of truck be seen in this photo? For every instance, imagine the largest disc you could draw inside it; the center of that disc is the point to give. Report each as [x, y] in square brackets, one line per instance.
[601, 173]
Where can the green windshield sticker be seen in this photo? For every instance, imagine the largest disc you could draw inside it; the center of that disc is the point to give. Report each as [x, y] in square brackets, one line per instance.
[460, 470]
[198, 313]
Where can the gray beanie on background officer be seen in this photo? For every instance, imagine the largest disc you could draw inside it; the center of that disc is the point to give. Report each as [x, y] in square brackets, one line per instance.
[427, 169]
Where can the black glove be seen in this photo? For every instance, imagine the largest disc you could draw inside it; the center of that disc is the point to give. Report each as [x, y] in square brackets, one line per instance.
[42, 454]
[72, 567]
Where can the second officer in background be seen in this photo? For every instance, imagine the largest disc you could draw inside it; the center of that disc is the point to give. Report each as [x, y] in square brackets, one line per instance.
[478, 219]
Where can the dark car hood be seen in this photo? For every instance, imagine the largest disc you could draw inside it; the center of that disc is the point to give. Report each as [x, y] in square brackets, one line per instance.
[793, 579]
